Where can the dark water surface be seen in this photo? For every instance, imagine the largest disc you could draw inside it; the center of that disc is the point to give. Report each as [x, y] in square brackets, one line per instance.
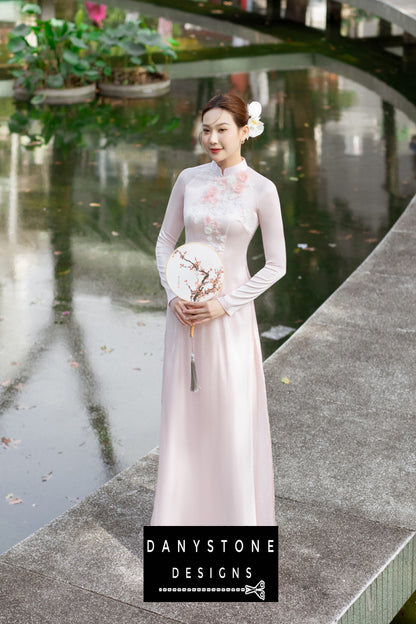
[81, 309]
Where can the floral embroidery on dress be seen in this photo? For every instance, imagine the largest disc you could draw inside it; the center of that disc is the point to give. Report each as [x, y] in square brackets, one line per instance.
[221, 201]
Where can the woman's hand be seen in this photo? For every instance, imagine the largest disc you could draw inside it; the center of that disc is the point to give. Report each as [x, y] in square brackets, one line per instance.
[195, 313]
[178, 307]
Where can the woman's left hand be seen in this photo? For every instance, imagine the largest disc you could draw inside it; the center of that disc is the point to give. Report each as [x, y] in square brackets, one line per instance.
[201, 312]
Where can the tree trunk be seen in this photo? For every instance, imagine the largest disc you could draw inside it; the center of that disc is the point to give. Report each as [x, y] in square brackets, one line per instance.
[409, 50]
[273, 9]
[333, 14]
[296, 10]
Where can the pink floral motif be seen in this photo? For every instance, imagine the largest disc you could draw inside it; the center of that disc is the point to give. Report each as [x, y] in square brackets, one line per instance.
[242, 177]
[210, 196]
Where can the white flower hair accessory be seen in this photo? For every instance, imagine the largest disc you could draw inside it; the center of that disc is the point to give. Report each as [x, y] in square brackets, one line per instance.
[256, 126]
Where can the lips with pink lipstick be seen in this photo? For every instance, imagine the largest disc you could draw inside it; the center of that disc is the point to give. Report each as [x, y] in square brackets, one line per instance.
[215, 150]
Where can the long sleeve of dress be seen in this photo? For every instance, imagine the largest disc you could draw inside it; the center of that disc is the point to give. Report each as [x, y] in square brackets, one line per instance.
[170, 231]
[270, 220]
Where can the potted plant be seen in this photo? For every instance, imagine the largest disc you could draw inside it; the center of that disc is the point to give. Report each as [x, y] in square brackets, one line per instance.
[125, 58]
[55, 60]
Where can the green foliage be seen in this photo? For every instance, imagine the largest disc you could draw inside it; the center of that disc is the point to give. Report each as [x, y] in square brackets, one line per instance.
[52, 53]
[57, 53]
[131, 44]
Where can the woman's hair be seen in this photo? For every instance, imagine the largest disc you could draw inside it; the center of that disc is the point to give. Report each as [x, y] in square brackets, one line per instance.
[231, 103]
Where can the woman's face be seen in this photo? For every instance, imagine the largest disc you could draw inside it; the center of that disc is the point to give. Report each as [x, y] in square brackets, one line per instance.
[222, 138]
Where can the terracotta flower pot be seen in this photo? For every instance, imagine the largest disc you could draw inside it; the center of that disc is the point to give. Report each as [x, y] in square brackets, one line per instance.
[148, 90]
[73, 95]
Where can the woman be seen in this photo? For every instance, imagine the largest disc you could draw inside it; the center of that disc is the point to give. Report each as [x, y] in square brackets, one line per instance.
[215, 465]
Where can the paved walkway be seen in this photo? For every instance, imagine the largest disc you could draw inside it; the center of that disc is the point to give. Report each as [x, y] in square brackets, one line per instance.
[343, 434]
[399, 12]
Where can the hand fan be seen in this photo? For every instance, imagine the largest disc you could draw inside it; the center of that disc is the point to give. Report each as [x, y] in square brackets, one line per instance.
[195, 272]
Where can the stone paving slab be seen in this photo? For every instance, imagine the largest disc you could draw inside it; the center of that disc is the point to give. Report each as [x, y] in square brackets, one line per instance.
[358, 463]
[93, 553]
[377, 310]
[33, 598]
[365, 369]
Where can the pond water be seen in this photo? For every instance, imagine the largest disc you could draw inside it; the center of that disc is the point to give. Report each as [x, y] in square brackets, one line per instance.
[81, 308]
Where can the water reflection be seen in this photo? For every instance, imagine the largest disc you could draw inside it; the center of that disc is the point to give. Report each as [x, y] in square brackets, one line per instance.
[81, 308]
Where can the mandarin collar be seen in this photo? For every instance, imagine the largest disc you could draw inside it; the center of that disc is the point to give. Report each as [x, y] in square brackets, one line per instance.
[216, 169]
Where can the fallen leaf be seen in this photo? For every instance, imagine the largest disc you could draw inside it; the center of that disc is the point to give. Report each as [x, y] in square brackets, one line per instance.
[19, 386]
[315, 232]
[142, 300]
[57, 253]
[371, 240]
[105, 350]
[15, 501]
[157, 224]
[143, 199]
[6, 383]
[285, 380]
[10, 442]
[73, 364]
[66, 313]
[14, 363]
[137, 369]
[115, 233]
[293, 179]
[332, 244]
[46, 477]
[94, 204]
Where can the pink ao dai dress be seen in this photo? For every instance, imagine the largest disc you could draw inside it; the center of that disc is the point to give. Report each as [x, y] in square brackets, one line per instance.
[215, 462]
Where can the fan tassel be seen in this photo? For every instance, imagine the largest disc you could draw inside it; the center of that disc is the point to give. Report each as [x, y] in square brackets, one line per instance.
[194, 376]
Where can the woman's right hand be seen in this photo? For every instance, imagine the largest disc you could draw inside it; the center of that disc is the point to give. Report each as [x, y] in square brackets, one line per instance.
[178, 307]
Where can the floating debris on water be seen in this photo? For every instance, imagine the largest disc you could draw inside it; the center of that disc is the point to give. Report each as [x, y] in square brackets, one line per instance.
[277, 332]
